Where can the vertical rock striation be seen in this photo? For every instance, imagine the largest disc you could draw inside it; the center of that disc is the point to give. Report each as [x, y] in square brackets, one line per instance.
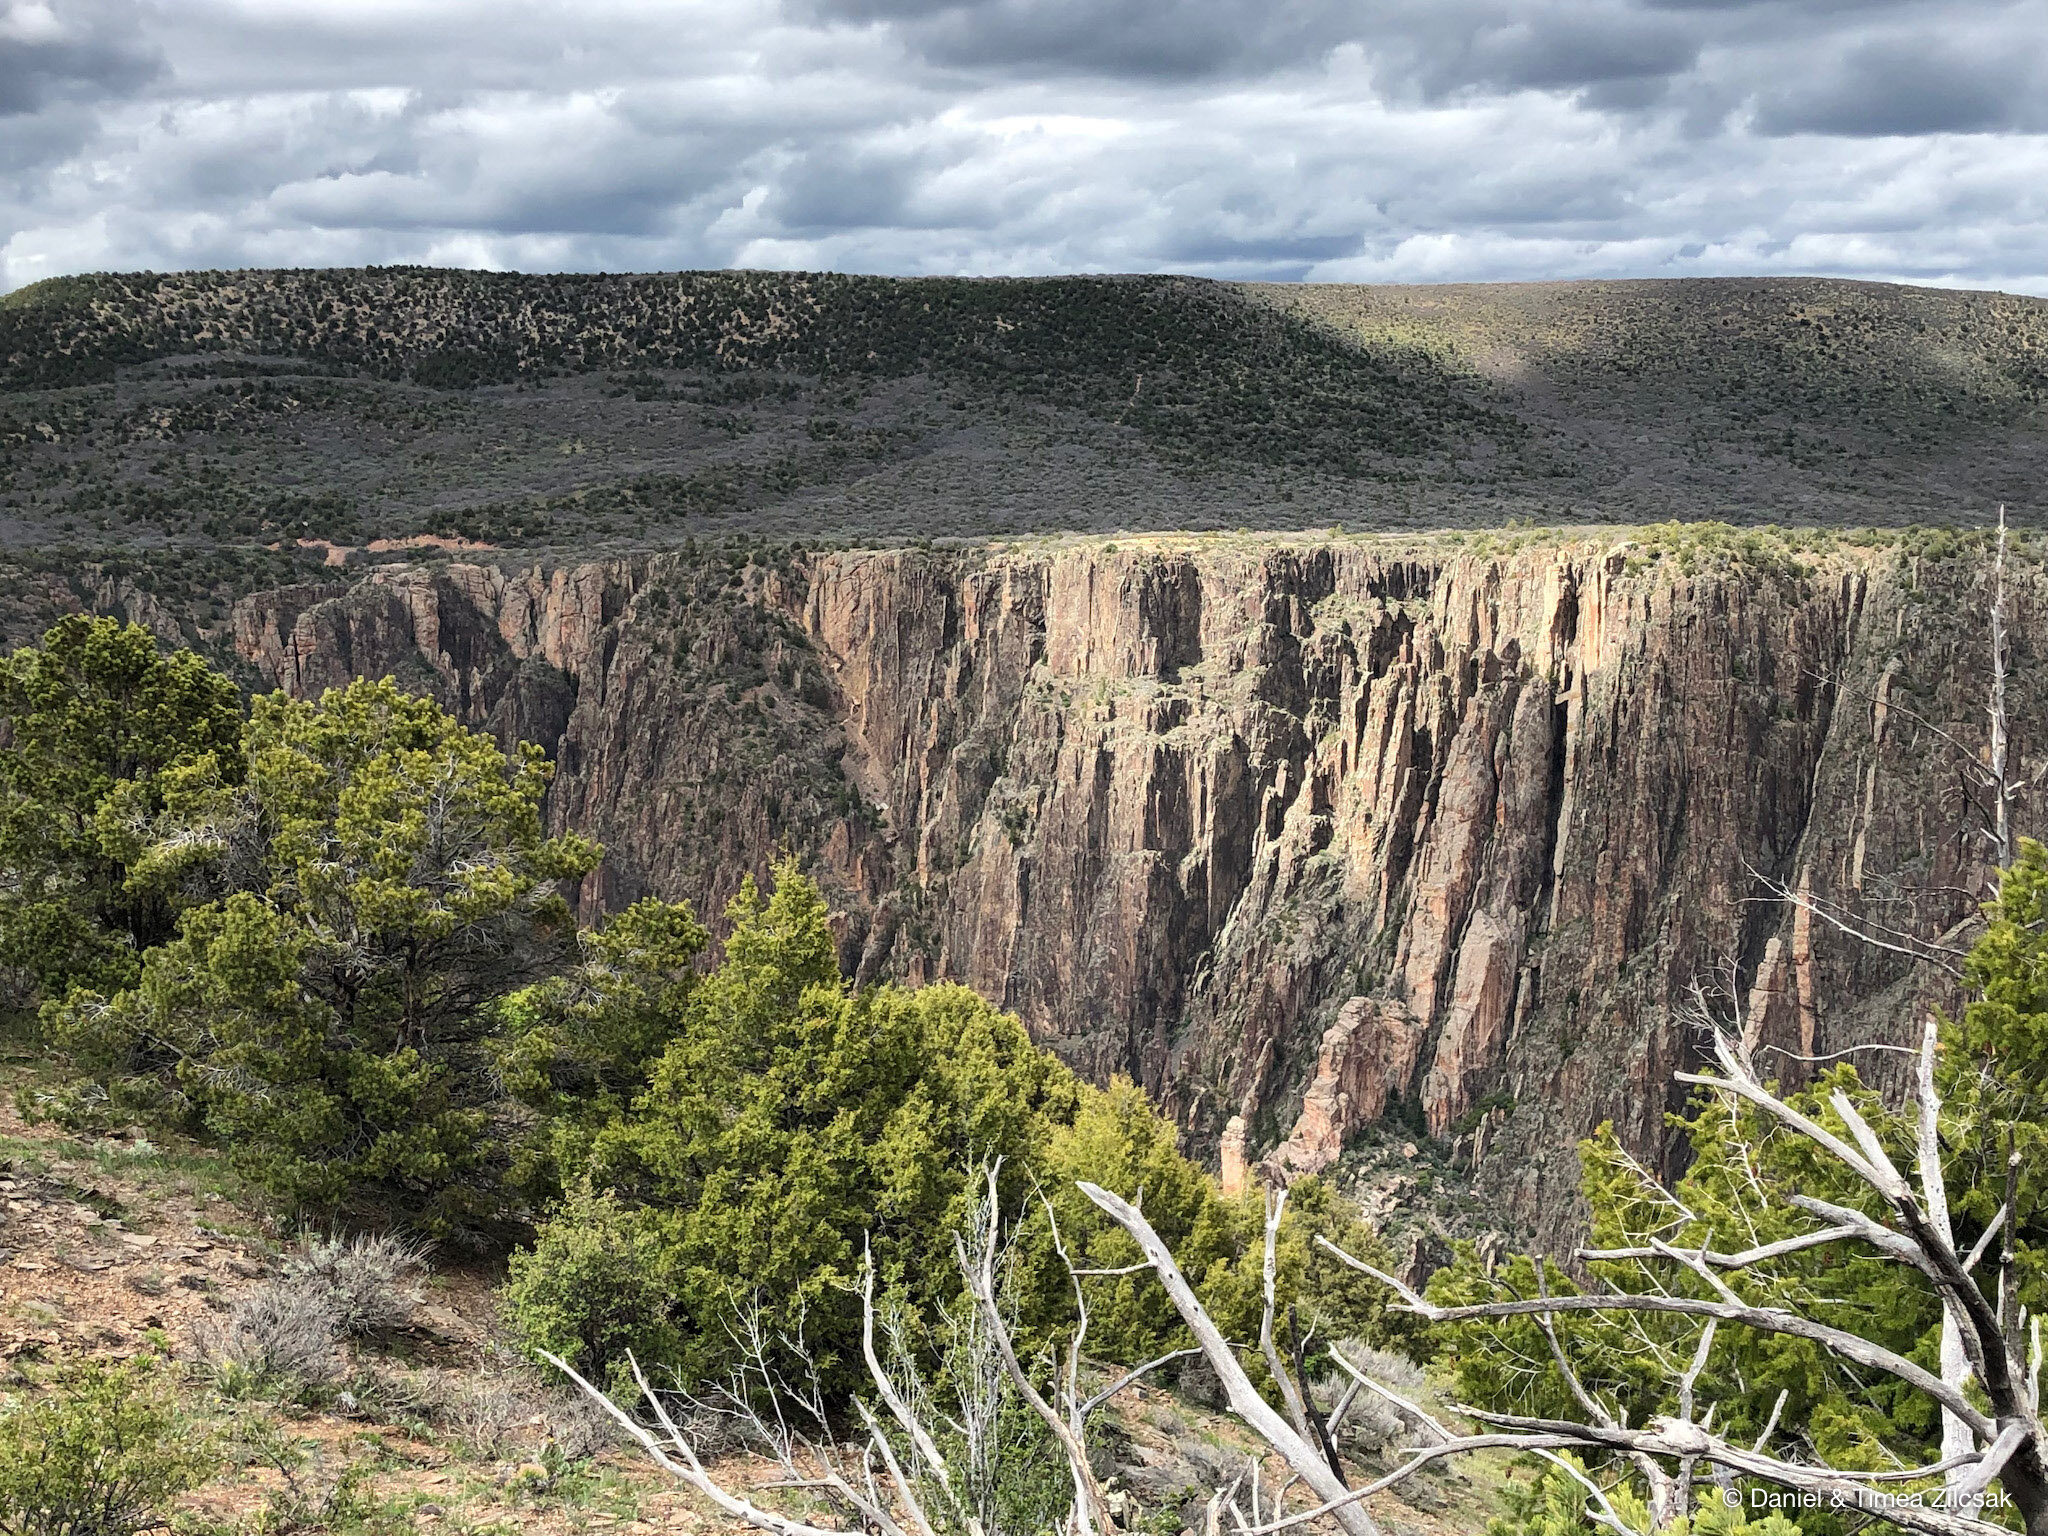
[1303, 836]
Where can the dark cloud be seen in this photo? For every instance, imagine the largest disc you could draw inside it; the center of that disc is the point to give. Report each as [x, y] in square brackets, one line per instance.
[63, 52]
[1438, 48]
[1543, 50]
[1337, 139]
[1292, 254]
[833, 189]
[1141, 39]
[1916, 85]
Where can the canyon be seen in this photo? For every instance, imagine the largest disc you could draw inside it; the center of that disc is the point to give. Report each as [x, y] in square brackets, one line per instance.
[1319, 837]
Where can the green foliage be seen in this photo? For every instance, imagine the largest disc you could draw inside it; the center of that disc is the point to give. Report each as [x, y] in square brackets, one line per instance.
[2007, 1025]
[1714, 547]
[1011, 1478]
[1021, 1483]
[1991, 1073]
[1732, 1197]
[371, 997]
[98, 1449]
[92, 718]
[386, 876]
[790, 1123]
[1994, 1075]
[788, 1119]
[1554, 1504]
[578, 1048]
[590, 1290]
[1118, 1140]
[299, 1502]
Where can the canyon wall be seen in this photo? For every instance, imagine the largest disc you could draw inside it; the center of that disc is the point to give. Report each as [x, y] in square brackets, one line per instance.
[1307, 837]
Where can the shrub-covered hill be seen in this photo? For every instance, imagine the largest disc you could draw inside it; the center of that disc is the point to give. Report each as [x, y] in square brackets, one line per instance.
[1189, 364]
[256, 409]
[1799, 367]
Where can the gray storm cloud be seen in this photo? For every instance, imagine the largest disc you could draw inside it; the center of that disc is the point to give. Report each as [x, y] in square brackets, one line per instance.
[1372, 140]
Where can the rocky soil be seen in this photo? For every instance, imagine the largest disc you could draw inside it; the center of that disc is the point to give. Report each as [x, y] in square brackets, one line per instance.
[118, 1246]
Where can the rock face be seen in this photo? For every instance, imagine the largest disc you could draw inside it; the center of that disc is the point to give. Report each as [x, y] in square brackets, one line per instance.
[1367, 1058]
[1302, 836]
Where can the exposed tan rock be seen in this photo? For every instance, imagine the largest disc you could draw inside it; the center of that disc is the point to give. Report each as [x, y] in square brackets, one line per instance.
[1366, 1057]
[1475, 1024]
[1234, 1172]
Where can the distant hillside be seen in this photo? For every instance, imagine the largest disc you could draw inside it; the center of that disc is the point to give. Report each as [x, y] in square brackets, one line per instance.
[210, 421]
[1773, 390]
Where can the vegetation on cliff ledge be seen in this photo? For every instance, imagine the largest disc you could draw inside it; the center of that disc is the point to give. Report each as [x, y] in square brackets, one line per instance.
[329, 937]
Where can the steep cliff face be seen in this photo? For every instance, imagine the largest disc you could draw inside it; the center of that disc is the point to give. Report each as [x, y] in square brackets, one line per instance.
[1304, 836]
[692, 727]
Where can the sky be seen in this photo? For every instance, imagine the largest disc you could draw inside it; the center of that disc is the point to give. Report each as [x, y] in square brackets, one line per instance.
[1328, 140]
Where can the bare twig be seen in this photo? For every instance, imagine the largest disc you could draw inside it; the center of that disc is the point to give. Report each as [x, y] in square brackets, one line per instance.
[1137, 1374]
[899, 1410]
[1091, 1510]
[1243, 1397]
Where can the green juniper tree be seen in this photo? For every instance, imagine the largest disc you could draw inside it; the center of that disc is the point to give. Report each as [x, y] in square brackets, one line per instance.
[790, 1128]
[90, 721]
[788, 1122]
[575, 1050]
[379, 876]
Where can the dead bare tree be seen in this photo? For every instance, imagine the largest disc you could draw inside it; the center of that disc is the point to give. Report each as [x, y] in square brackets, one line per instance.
[1998, 1456]
[894, 1478]
[2004, 1445]
[1989, 775]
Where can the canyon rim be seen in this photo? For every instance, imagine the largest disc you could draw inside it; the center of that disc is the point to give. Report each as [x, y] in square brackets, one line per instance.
[1317, 837]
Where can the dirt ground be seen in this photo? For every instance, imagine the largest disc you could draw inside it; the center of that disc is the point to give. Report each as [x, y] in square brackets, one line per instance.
[121, 1246]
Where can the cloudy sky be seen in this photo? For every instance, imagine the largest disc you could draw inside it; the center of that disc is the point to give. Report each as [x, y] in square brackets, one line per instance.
[1368, 140]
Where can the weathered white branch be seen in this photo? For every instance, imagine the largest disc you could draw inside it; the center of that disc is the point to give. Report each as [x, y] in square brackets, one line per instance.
[905, 1489]
[1771, 1424]
[1690, 1380]
[899, 1410]
[1739, 1081]
[1978, 1249]
[1131, 1376]
[688, 1469]
[1945, 957]
[1290, 1399]
[1670, 1438]
[1767, 1319]
[1091, 1512]
[1742, 1260]
[1872, 1231]
[1243, 1397]
[1965, 1489]
[1388, 1394]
